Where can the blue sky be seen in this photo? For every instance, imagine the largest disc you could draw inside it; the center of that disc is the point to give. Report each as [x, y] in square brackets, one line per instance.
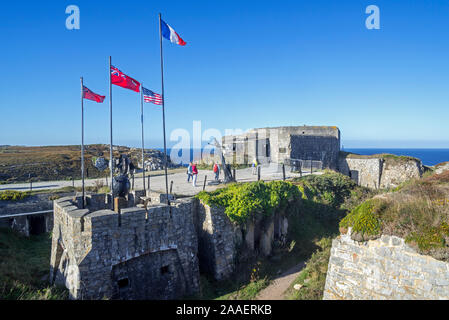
[246, 64]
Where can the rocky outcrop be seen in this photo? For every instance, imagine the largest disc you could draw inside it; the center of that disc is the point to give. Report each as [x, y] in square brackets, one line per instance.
[155, 161]
[385, 268]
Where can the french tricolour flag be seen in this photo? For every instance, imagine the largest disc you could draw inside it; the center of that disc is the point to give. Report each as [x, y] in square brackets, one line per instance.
[170, 34]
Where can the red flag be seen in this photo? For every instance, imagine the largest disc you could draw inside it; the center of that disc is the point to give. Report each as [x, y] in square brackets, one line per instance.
[87, 94]
[122, 80]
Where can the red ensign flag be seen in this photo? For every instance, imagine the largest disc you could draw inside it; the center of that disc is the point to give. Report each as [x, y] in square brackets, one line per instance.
[87, 94]
[122, 80]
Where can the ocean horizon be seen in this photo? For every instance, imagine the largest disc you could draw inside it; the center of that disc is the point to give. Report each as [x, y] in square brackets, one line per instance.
[428, 156]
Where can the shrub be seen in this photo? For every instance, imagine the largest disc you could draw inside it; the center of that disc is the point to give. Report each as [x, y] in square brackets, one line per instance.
[331, 187]
[430, 237]
[364, 219]
[244, 201]
[104, 189]
[10, 195]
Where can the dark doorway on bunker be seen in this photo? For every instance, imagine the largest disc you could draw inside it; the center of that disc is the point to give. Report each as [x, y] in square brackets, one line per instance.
[37, 224]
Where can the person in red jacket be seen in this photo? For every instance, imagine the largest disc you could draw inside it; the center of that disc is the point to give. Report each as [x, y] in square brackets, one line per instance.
[216, 171]
[195, 174]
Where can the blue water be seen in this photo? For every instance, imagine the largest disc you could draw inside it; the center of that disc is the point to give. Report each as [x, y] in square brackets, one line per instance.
[429, 157]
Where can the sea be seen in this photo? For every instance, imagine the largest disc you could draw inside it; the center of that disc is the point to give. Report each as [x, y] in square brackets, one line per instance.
[429, 157]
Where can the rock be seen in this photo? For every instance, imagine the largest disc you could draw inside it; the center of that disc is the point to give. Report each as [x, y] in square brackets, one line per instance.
[297, 286]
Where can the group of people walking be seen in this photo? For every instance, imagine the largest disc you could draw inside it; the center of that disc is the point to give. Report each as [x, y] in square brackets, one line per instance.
[192, 172]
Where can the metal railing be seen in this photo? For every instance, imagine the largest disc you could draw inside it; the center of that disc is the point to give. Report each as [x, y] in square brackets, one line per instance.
[300, 165]
[25, 214]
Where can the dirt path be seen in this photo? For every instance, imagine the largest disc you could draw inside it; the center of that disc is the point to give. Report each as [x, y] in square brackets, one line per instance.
[275, 291]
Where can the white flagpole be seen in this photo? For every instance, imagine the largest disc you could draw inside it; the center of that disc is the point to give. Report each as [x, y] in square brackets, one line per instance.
[82, 140]
[111, 163]
[143, 146]
[163, 108]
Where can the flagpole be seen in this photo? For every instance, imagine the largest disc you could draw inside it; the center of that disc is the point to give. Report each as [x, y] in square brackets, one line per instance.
[163, 108]
[143, 157]
[82, 141]
[111, 163]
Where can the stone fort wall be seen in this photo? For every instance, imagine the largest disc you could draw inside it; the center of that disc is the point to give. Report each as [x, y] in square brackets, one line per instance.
[379, 173]
[154, 254]
[385, 268]
[131, 255]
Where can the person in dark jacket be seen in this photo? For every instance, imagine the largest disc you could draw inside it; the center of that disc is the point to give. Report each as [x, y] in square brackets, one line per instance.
[189, 172]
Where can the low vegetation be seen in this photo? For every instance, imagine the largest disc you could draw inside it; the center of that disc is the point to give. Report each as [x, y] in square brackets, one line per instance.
[47, 163]
[314, 205]
[319, 207]
[11, 195]
[53, 194]
[312, 279]
[24, 268]
[243, 201]
[385, 156]
[418, 211]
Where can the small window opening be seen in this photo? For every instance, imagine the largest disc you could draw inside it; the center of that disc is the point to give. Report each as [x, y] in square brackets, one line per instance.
[123, 283]
[164, 269]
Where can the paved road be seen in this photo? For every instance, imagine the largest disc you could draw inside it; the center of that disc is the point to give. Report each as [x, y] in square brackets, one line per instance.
[157, 182]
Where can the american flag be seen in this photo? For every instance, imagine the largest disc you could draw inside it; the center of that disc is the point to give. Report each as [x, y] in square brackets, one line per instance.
[151, 97]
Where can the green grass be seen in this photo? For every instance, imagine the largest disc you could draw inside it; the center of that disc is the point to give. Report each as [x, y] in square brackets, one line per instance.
[313, 277]
[418, 211]
[24, 266]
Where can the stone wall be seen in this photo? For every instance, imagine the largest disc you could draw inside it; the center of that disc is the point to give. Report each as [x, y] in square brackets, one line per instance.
[150, 254]
[221, 242]
[379, 172]
[365, 172]
[385, 268]
[29, 224]
[217, 241]
[131, 255]
[397, 171]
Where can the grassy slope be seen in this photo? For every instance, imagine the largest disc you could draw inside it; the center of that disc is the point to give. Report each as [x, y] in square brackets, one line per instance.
[47, 163]
[417, 211]
[24, 267]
